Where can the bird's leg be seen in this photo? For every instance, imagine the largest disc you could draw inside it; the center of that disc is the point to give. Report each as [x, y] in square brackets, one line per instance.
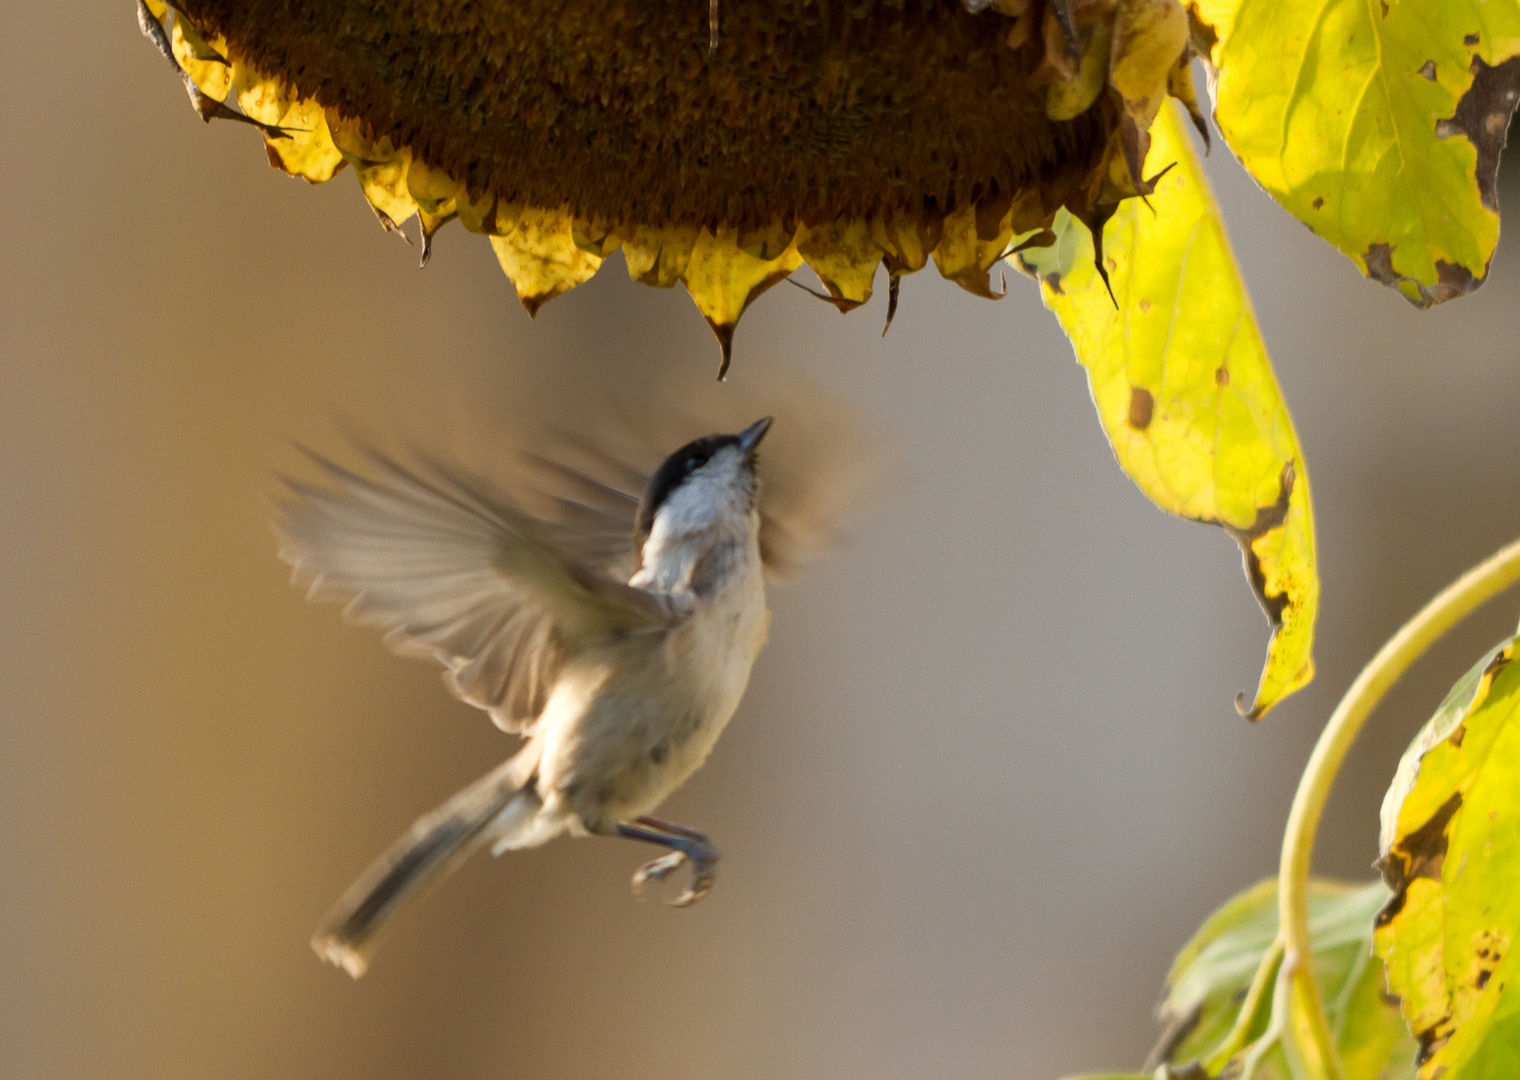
[672, 829]
[686, 845]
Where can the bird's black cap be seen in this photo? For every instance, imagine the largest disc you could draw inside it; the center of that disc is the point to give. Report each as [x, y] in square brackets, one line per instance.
[674, 470]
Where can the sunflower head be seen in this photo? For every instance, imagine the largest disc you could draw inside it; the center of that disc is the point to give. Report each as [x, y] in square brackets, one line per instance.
[718, 145]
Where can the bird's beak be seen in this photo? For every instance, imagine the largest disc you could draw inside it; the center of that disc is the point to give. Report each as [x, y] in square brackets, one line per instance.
[750, 437]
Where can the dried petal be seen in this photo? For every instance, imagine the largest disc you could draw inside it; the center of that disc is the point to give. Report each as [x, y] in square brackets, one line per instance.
[965, 258]
[380, 167]
[845, 258]
[202, 61]
[1071, 97]
[1149, 36]
[541, 257]
[659, 256]
[724, 280]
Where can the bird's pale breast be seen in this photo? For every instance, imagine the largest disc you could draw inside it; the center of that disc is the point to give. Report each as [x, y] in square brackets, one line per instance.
[631, 722]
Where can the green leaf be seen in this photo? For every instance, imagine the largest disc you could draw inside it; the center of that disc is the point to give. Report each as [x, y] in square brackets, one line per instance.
[1209, 982]
[1451, 854]
[1184, 390]
[1378, 123]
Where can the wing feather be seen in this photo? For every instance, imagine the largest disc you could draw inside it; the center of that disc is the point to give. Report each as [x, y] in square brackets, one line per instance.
[452, 572]
[500, 570]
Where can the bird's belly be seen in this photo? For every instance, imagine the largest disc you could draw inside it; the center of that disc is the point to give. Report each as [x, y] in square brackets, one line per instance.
[648, 725]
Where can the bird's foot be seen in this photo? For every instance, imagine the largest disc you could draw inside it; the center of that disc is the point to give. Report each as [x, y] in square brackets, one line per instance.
[704, 866]
[656, 870]
[687, 846]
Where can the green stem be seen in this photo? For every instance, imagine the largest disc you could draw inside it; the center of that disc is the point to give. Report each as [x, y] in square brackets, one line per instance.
[1235, 1040]
[1458, 600]
[1263, 1046]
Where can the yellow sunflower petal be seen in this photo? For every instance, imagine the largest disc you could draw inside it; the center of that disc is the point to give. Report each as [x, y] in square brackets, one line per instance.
[965, 254]
[203, 61]
[659, 256]
[845, 256]
[433, 190]
[1071, 97]
[381, 168]
[484, 213]
[723, 280]
[907, 241]
[1149, 36]
[307, 148]
[541, 257]
[595, 236]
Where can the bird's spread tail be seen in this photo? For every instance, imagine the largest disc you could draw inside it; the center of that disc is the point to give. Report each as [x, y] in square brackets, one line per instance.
[495, 806]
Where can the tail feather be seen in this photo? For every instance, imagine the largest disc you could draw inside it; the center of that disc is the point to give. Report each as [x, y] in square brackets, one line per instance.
[434, 847]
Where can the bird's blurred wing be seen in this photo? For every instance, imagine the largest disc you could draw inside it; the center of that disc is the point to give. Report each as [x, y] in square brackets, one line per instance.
[591, 504]
[823, 469]
[448, 570]
[804, 514]
[823, 466]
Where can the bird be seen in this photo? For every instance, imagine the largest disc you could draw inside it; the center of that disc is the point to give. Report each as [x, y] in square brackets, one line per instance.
[608, 616]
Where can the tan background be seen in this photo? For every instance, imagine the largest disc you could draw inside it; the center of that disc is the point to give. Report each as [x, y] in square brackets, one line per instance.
[988, 776]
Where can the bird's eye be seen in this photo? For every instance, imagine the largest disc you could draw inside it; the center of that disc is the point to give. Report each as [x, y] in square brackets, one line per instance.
[694, 462]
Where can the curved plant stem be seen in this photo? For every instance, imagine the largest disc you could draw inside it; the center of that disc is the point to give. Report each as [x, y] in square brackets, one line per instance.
[1307, 1019]
[1262, 1046]
[1235, 1040]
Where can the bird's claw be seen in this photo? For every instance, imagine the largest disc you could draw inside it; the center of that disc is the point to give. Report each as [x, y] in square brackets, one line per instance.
[656, 870]
[686, 846]
[703, 874]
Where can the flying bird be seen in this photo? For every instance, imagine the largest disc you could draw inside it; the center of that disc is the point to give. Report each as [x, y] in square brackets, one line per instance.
[608, 615]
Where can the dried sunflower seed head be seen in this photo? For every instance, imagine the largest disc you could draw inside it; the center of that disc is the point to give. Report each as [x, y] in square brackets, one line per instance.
[844, 137]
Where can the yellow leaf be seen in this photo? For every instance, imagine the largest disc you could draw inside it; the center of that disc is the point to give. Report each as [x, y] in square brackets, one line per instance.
[1451, 853]
[1378, 124]
[1185, 392]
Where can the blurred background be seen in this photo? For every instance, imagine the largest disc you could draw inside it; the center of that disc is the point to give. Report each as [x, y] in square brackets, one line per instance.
[988, 776]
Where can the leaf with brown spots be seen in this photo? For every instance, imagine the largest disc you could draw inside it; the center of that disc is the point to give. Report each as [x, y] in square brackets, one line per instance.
[1185, 392]
[1206, 989]
[1451, 855]
[1379, 128]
